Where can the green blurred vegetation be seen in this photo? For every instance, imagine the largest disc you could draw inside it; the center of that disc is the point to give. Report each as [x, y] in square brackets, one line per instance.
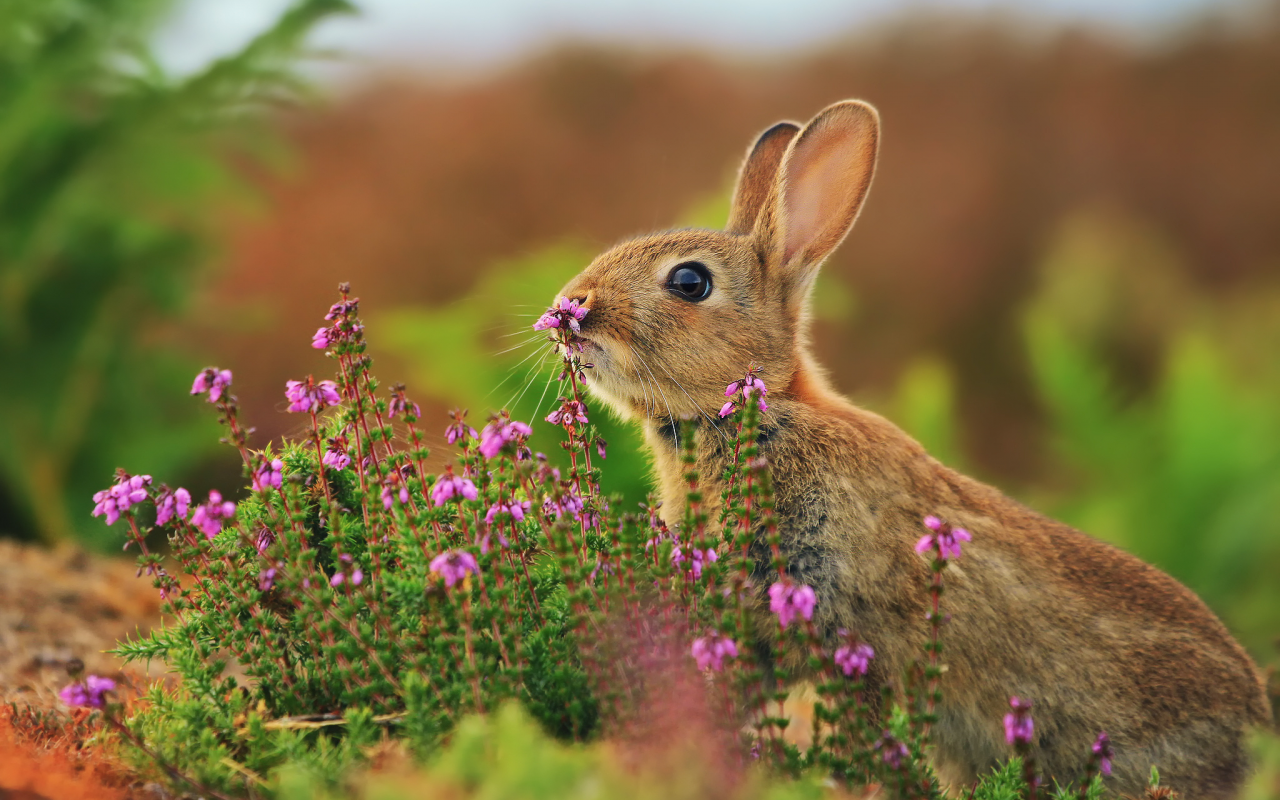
[1162, 414]
[110, 171]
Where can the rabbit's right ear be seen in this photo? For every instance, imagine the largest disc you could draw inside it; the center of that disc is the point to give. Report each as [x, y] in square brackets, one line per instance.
[823, 179]
[758, 176]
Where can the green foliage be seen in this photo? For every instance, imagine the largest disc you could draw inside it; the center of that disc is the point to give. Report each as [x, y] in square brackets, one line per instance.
[1182, 469]
[108, 170]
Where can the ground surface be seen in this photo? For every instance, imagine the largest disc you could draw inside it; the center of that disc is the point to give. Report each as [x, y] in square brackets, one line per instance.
[56, 605]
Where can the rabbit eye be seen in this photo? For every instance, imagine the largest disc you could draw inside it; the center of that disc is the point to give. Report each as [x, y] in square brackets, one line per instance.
[690, 281]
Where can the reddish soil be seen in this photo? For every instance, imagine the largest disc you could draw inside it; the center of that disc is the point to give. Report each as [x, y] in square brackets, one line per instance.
[56, 606]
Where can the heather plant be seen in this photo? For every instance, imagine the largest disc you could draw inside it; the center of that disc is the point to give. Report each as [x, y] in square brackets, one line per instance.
[109, 167]
[356, 596]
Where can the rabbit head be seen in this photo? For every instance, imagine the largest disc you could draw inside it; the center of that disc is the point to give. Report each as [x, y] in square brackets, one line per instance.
[676, 316]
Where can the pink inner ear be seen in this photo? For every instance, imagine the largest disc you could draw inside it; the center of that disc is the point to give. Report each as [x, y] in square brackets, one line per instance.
[827, 177]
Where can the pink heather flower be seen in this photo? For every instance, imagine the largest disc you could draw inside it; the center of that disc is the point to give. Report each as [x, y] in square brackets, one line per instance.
[270, 474]
[944, 538]
[789, 601]
[172, 503]
[1018, 725]
[401, 406]
[601, 444]
[266, 579]
[449, 485]
[335, 456]
[459, 430]
[357, 577]
[699, 557]
[711, 651]
[892, 751]
[750, 386]
[343, 308]
[323, 339]
[515, 508]
[498, 433]
[310, 396]
[453, 566]
[571, 411]
[212, 380]
[564, 313]
[209, 515]
[569, 503]
[127, 492]
[88, 693]
[1102, 752]
[390, 492]
[854, 659]
[337, 579]
[264, 539]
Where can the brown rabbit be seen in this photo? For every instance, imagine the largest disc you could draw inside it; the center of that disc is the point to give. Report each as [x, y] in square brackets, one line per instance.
[1096, 638]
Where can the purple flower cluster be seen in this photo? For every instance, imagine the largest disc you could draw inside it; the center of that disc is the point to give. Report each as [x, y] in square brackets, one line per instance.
[269, 474]
[565, 313]
[789, 601]
[392, 489]
[696, 557]
[344, 326]
[943, 538]
[449, 486]
[453, 566]
[892, 751]
[1018, 725]
[212, 380]
[87, 693]
[209, 515]
[459, 430]
[310, 395]
[568, 503]
[516, 508]
[127, 492]
[854, 658]
[750, 386]
[711, 650]
[1103, 753]
[569, 412]
[357, 577]
[498, 433]
[172, 504]
[335, 453]
[266, 579]
[401, 406]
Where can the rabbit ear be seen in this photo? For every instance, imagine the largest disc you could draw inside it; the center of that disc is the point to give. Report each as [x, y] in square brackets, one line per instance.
[758, 176]
[823, 179]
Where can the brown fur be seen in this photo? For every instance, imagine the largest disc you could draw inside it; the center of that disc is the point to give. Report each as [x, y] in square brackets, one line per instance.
[1096, 638]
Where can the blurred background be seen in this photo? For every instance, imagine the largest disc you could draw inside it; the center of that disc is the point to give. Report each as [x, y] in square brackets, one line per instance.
[1066, 280]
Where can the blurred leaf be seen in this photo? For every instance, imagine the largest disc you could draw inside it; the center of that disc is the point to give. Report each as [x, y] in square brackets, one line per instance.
[109, 170]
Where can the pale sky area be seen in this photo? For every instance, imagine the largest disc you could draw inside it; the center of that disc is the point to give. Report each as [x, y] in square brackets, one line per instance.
[479, 34]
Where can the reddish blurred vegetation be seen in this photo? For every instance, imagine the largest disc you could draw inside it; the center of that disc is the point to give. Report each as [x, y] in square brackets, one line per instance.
[991, 137]
[43, 757]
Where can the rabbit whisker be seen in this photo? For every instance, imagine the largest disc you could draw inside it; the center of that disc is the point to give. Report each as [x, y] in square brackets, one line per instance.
[679, 386]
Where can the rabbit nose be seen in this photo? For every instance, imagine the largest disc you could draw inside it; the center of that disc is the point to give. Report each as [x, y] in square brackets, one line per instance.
[586, 298]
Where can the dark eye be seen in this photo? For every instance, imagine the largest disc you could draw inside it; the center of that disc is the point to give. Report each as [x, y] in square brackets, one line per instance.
[690, 281]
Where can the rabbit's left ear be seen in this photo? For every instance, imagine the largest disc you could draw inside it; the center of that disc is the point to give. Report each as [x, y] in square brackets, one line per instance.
[758, 176]
[822, 182]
